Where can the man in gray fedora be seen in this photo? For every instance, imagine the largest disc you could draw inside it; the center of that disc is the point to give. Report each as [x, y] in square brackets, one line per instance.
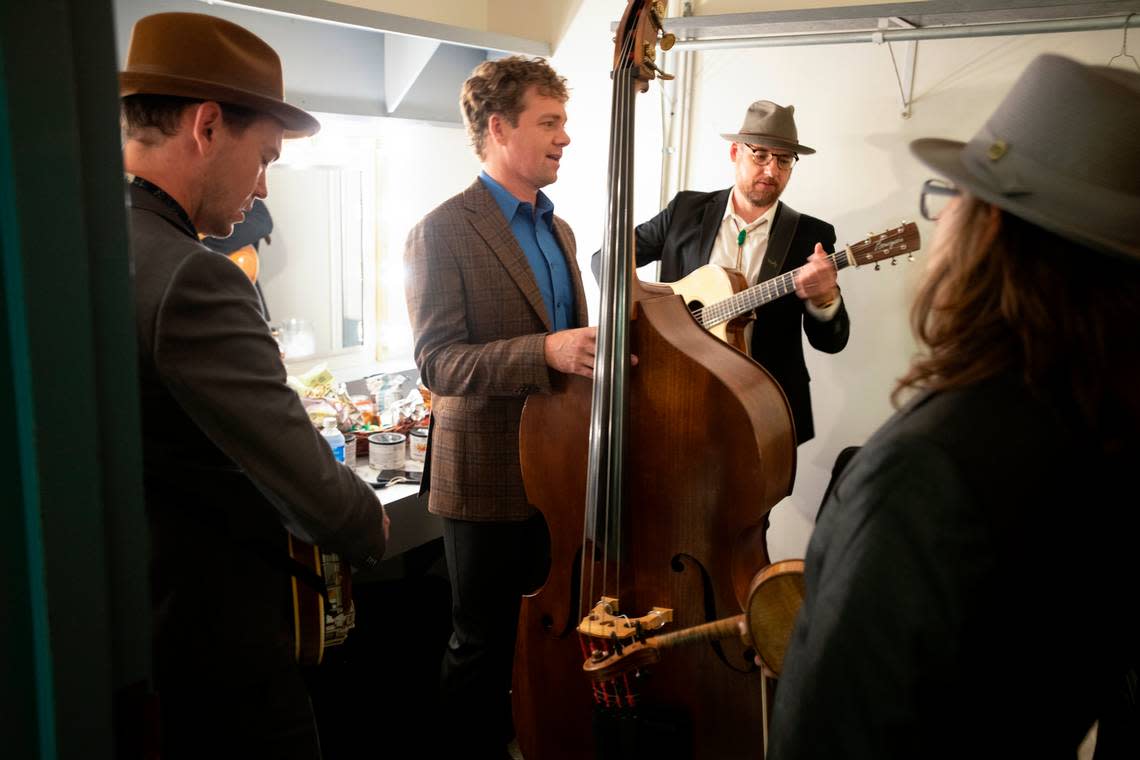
[748, 228]
[971, 583]
[231, 462]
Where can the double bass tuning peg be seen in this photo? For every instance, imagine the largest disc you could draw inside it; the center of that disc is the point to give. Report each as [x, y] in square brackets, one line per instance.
[667, 41]
[661, 74]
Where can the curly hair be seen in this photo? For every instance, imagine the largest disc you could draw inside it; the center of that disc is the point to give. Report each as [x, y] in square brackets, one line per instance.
[1063, 316]
[499, 87]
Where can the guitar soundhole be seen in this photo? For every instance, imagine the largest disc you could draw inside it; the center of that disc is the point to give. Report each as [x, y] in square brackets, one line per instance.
[695, 305]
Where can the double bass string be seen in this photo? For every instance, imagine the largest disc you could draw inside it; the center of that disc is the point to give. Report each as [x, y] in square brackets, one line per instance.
[612, 371]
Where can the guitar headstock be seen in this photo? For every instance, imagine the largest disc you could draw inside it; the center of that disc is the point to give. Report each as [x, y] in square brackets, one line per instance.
[886, 245]
[639, 33]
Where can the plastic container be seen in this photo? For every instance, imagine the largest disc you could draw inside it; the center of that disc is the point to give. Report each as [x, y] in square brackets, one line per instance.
[334, 437]
[386, 451]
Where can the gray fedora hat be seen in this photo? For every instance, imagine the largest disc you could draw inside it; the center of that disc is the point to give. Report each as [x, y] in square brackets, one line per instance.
[766, 123]
[1062, 151]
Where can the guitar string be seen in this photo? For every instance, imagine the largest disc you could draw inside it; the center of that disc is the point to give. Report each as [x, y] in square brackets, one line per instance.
[770, 290]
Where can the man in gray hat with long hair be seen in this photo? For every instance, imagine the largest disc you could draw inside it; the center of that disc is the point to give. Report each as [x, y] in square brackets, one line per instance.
[231, 460]
[971, 583]
[748, 228]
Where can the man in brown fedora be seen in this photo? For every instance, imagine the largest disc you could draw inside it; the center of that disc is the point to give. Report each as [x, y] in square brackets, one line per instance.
[971, 584]
[748, 228]
[231, 461]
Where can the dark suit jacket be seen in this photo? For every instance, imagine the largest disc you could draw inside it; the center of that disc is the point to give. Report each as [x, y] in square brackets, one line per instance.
[479, 323]
[230, 458]
[970, 587]
[681, 237]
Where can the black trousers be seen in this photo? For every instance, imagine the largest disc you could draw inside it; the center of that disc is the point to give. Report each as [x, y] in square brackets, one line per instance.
[491, 565]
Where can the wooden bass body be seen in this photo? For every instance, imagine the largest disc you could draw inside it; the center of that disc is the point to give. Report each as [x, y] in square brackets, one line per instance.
[711, 451]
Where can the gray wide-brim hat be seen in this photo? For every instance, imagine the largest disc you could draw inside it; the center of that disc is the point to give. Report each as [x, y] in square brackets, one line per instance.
[1061, 151]
[771, 125]
[193, 55]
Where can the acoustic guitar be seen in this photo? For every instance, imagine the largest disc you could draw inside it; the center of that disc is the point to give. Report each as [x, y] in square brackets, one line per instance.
[323, 609]
[720, 301]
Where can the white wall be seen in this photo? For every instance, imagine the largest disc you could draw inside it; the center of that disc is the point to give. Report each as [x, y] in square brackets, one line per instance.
[585, 58]
[862, 179]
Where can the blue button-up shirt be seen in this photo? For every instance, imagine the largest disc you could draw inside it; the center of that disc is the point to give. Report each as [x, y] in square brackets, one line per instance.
[541, 248]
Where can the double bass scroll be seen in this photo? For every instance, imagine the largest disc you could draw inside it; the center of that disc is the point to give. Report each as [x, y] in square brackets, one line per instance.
[654, 482]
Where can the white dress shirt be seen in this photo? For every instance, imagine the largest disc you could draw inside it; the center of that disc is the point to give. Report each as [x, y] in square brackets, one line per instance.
[748, 257]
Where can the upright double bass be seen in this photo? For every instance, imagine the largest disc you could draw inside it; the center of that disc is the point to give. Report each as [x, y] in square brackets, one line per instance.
[654, 482]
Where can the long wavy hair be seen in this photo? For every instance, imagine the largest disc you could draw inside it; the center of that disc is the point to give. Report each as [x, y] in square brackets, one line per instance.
[1005, 296]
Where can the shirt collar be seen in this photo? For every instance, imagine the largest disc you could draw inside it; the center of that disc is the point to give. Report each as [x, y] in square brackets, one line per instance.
[509, 204]
[730, 213]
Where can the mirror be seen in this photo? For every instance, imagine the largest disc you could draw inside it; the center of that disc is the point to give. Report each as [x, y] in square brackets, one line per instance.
[319, 261]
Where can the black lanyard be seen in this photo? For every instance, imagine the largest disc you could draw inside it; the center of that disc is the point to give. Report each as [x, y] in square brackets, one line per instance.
[172, 204]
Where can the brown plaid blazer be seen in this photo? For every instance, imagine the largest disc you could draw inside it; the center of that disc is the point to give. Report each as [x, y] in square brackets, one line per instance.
[479, 323]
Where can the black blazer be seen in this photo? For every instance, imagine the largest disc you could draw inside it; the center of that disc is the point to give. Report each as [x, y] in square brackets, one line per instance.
[230, 459]
[935, 577]
[681, 237]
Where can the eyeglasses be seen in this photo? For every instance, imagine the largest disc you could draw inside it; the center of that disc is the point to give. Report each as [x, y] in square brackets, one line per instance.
[763, 156]
[935, 197]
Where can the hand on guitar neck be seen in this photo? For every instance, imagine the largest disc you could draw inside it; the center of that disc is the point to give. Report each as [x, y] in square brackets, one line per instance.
[816, 280]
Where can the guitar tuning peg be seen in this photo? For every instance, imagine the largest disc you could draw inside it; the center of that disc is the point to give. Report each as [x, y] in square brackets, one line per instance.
[894, 261]
[910, 257]
[877, 267]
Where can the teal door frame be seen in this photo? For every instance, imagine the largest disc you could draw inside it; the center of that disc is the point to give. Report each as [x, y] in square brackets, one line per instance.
[73, 547]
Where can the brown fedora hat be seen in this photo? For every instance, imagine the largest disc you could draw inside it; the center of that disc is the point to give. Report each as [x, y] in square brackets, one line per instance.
[1062, 151]
[766, 123]
[192, 55]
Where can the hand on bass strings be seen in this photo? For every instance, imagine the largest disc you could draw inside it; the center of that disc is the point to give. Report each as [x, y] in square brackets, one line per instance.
[572, 351]
[815, 280]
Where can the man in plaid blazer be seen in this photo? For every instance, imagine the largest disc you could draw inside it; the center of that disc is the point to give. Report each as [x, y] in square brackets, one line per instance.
[496, 305]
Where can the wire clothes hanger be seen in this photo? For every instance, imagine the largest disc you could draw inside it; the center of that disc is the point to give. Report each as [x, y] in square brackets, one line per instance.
[1124, 46]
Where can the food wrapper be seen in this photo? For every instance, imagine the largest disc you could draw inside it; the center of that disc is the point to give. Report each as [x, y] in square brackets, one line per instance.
[397, 411]
[322, 397]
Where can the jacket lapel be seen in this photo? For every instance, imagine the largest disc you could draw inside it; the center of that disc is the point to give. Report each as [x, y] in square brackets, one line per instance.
[710, 225]
[487, 219]
[779, 241]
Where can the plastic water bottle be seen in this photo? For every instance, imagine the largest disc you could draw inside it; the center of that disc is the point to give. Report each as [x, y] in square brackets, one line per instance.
[334, 437]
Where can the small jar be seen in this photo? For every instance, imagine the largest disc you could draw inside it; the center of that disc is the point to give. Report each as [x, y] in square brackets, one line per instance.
[417, 444]
[386, 451]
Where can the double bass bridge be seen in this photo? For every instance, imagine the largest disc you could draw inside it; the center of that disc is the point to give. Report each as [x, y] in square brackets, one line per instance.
[607, 636]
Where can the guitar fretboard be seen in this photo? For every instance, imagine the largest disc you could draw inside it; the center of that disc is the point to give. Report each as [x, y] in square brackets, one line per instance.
[758, 295]
[872, 250]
